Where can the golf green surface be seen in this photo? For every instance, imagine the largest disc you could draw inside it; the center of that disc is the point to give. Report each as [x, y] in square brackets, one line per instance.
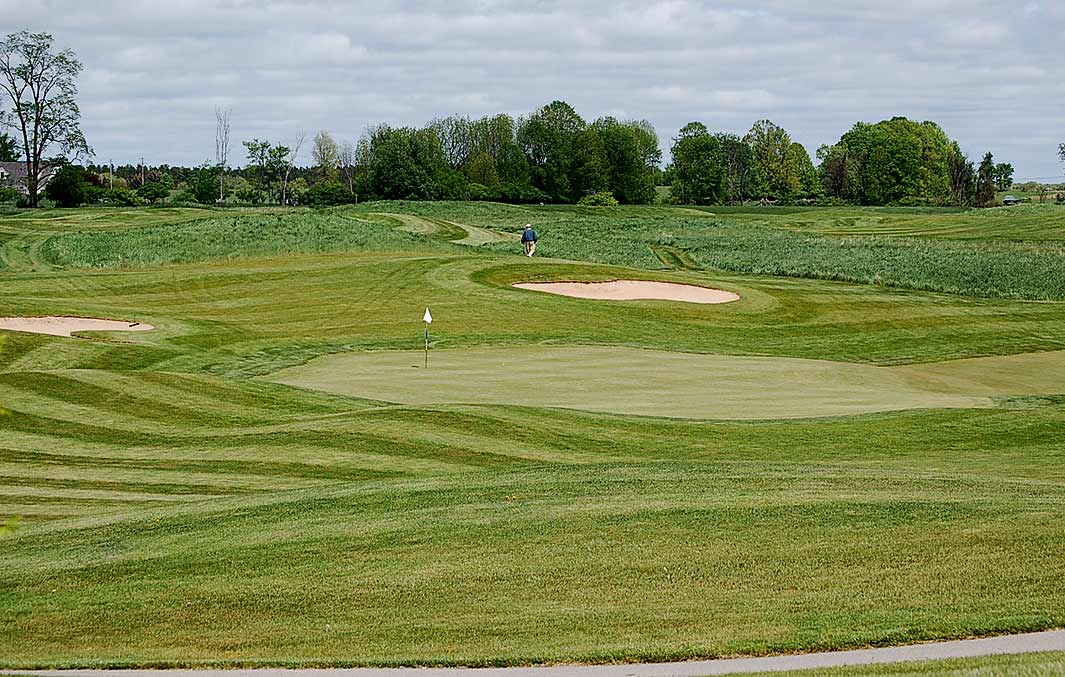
[663, 383]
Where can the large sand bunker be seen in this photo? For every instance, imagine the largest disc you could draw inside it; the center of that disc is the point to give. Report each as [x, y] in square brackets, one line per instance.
[633, 290]
[66, 326]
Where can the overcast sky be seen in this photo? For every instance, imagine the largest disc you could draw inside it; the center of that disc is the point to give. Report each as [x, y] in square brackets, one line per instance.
[991, 72]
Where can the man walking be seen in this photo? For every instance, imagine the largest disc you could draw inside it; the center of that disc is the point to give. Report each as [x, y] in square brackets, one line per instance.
[528, 239]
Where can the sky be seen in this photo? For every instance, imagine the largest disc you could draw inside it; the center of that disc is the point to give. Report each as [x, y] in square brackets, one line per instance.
[991, 73]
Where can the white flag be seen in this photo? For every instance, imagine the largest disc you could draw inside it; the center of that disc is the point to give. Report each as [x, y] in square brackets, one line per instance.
[427, 318]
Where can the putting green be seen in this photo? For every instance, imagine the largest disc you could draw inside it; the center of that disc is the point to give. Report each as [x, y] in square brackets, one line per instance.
[683, 385]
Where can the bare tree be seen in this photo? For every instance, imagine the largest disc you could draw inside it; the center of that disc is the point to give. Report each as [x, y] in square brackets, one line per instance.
[289, 162]
[221, 146]
[41, 85]
[346, 160]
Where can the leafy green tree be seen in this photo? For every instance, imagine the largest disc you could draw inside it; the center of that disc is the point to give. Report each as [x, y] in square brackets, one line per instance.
[626, 147]
[326, 154]
[485, 150]
[647, 142]
[156, 191]
[588, 168]
[512, 165]
[548, 138]
[775, 165]
[296, 191]
[698, 173]
[799, 161]
[249, 194]
[738, 165]
[985, 182]
[41, 86]
[68, 188]
[204, 184]
[835, 170]
[894, 161]
[406, 164]
[267, 166]
[455, 134]
[8, 148]
[481, 168]
[1003, 176]
[962, 178]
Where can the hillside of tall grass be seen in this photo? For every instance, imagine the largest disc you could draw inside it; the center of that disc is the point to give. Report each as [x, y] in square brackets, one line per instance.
[228, 237]
[843, 244]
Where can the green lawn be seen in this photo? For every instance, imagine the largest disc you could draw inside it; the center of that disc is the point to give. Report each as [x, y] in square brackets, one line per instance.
[1049, 664]
[571, 489]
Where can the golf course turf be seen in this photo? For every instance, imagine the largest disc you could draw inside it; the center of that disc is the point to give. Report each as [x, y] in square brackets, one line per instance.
[266, 478]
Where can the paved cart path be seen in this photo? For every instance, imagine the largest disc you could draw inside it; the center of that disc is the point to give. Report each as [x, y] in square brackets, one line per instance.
[1053, 640]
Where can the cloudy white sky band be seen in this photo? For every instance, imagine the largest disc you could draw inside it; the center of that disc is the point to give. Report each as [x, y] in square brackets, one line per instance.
[989, 71]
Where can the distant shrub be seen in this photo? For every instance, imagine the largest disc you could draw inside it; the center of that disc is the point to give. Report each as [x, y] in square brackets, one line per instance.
[327, 194]
[521, 193]
[203, 186]
[9, 194]
[120, 197]
[479, 192]
[154, 191]
[249, 195]
[68, 187]
[601, 199]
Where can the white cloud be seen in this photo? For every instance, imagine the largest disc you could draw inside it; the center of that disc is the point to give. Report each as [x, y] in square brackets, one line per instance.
[155, 71]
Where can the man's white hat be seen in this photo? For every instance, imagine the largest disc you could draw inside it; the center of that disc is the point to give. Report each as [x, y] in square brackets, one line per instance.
[528, 225]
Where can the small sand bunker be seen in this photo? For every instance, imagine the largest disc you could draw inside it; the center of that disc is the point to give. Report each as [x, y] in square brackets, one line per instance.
[633, 290]
[66, 326]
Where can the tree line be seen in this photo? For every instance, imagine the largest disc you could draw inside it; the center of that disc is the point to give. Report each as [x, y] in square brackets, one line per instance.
[550, 155]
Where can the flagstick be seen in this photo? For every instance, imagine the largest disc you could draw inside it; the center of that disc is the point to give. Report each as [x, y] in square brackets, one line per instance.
[427, 319]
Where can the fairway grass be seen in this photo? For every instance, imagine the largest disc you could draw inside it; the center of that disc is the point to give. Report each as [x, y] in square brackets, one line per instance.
[594, 562]
[820, 464]
[662, 383]
[1038, 664]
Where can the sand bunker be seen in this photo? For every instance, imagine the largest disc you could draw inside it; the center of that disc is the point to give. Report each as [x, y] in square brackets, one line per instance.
[66, 326]
[633, 290]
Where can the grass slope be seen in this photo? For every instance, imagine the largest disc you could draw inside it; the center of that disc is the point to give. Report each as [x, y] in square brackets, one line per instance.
[177, 511]
[594, 562]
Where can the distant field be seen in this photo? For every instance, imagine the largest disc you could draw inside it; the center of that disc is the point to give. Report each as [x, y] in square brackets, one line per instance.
[563, 483]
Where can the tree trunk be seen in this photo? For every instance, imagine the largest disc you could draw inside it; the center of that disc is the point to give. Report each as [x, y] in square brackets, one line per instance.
[31, 184]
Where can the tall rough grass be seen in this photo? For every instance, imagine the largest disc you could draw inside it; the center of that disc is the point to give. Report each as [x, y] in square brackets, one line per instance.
[227, 237]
